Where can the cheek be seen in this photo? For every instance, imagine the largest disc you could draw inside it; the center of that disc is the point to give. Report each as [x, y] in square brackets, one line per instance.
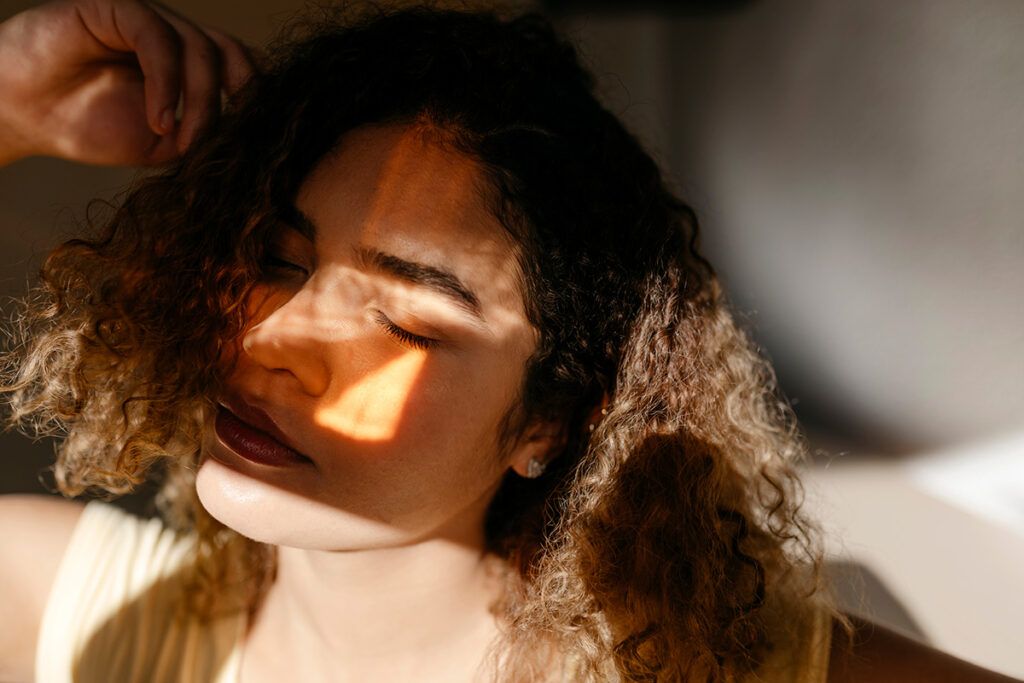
[372, 408]
[430, 419]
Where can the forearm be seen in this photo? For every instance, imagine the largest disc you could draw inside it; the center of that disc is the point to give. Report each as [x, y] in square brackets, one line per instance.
[13, 145]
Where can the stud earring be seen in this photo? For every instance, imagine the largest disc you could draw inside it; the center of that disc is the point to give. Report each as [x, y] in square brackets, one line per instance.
[535, 468]
[594, 419]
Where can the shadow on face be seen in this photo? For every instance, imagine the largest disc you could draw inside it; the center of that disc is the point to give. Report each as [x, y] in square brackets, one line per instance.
[386, 342]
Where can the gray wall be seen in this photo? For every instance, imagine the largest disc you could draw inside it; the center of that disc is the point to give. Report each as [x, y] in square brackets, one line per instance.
[859, 169]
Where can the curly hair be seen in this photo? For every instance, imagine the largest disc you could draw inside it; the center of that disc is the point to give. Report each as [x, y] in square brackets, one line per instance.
[657, 544]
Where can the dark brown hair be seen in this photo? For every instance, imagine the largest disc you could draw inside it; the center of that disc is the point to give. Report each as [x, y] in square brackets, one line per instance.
[655, 546]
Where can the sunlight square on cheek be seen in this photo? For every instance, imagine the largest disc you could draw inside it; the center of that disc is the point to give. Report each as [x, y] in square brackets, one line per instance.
[371, 409]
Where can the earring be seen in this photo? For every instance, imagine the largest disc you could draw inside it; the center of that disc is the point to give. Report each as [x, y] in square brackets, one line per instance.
[535, 468]
[594, 419]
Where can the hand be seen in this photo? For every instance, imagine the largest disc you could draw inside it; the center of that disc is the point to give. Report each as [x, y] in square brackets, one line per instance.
[98, 81]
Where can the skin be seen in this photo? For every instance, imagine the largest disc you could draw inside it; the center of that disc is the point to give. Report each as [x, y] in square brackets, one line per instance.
[880, 655]
[381, 571]
[402, 439]
[385, 526]
[99, 81]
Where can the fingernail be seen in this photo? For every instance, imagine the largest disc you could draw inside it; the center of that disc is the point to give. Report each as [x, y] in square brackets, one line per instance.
[167, 120]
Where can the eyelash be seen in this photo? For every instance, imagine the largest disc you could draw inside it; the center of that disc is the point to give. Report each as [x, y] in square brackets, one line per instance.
[277, 263]
[404, 336]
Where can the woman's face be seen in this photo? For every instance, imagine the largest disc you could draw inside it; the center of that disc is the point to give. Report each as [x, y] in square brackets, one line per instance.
[400, 433]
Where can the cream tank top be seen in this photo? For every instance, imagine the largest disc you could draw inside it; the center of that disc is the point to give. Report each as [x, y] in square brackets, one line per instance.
[111, 615]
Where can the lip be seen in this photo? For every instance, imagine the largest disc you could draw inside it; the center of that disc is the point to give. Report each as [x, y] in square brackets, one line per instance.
[252, 434]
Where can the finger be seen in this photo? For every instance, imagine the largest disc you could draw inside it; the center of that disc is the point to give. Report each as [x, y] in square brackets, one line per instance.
[260, 58]
[163, 149]
[236, 58]
[202, 84]
[134, 27]
[201, 79]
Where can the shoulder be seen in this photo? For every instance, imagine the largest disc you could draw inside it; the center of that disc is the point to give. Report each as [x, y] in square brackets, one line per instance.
[105, 602]
[878, 655]
[36, 530]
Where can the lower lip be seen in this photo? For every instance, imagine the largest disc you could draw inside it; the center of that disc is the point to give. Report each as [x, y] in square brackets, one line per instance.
[254, 445]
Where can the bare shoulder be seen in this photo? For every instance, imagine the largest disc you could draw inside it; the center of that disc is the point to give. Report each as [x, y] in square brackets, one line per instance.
[36, 530]
[878, 655]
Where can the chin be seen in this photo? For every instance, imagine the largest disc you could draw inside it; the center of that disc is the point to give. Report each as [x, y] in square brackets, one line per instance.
[267, 513]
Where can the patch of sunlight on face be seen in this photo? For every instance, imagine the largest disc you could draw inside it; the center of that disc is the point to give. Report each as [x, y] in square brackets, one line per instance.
[371, 409]
[398, 202]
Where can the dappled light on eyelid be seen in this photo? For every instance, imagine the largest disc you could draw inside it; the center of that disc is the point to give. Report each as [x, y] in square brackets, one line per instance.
[396, 221]
[371, 409]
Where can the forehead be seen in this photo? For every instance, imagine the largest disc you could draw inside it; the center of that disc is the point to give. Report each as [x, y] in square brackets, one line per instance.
[393, 188]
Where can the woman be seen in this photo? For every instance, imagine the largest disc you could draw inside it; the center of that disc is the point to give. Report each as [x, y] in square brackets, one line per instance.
[437, 383]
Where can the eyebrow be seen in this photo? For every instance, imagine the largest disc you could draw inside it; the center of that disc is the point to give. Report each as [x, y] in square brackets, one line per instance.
[435, 278]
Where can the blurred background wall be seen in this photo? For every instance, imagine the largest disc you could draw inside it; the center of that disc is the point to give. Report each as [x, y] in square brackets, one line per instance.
[858, 168]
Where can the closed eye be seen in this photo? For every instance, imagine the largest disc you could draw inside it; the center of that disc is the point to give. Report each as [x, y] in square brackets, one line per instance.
[404, 336]
[273, 262]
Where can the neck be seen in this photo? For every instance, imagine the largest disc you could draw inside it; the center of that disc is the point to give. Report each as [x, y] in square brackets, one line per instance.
[381, 614]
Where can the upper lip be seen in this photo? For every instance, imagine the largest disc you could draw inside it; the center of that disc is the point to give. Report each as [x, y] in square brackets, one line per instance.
[259, 419]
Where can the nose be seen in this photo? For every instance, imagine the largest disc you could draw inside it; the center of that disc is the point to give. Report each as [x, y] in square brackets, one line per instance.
[287, 338]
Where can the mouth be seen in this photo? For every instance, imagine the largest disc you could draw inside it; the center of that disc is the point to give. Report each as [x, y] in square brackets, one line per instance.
[255, 444]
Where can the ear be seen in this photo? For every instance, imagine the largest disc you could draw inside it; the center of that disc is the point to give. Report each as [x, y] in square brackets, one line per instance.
[540, 442]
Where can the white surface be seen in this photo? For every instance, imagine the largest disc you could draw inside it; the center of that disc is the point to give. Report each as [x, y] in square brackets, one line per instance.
[959, 575]
[984, 479]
